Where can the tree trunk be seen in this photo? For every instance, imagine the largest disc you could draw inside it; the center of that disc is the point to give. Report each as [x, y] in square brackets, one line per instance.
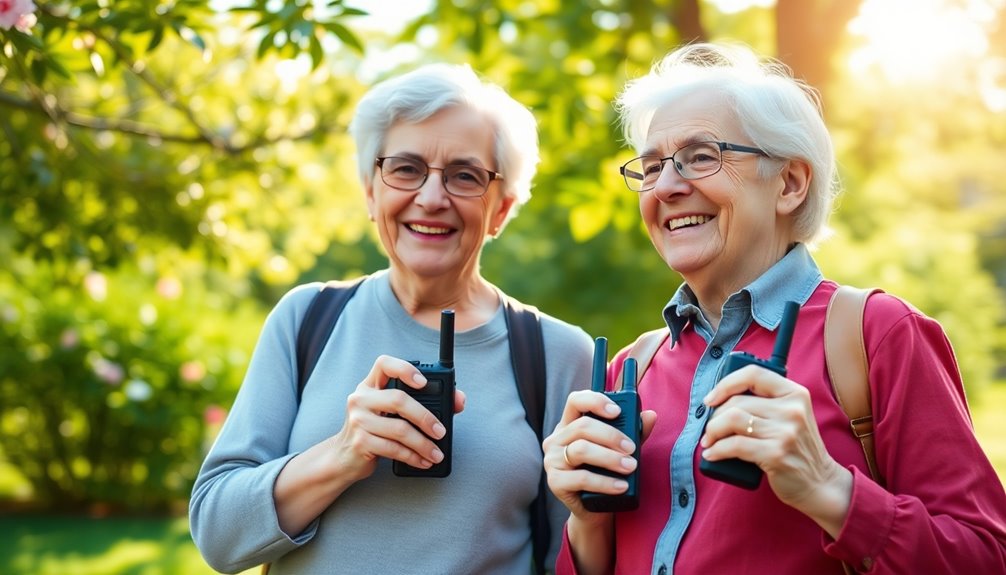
[685, 17]
[808, 32]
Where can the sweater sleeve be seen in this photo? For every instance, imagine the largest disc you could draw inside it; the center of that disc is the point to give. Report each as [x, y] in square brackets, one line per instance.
[232, 514]
[568, 353]
[942, 508]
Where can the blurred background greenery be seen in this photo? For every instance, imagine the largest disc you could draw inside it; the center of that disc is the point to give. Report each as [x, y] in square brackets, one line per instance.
[169, 168]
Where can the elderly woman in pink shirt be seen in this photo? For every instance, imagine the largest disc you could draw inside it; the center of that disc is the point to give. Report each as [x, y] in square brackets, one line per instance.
[736, 177]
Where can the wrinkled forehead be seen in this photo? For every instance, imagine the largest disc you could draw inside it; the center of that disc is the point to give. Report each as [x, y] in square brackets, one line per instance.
[454, 130]
[687, 116]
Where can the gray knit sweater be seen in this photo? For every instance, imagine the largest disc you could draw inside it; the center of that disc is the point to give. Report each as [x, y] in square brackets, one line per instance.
[474, 521]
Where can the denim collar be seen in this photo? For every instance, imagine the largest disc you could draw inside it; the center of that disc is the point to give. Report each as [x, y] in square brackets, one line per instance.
[793, 278]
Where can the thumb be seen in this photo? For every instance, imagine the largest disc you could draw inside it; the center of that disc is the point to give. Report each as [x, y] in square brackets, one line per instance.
[649, 418]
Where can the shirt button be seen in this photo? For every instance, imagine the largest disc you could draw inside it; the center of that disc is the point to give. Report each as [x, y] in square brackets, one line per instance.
[867, 563]
[683, 498]
[700, 410]
[662, 570]
[716, 352]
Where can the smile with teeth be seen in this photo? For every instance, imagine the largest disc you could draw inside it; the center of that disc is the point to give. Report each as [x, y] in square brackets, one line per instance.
[428, 230]
[677, 223]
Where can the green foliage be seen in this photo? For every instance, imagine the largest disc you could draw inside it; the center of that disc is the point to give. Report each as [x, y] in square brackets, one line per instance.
[192, 144]
[106, 384]
[919, 198]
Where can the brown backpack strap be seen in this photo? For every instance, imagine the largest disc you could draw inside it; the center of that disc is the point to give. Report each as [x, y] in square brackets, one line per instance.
[643, 350]
[848, 367]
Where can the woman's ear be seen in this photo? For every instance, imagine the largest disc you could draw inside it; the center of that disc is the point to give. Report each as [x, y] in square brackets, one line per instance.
[499, 216]
[796, 177]
[368, 191]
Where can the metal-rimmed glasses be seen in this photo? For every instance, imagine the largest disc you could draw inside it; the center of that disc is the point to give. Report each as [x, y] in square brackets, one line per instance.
[409, 174]
[693, 162]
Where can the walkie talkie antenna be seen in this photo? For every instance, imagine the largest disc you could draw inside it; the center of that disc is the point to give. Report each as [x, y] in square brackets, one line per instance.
[600, 372]
[784, 337]
[629, 374]
[447, 338]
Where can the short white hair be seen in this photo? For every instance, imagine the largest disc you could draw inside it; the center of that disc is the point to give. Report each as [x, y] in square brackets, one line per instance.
[417, 95]
[780, 114]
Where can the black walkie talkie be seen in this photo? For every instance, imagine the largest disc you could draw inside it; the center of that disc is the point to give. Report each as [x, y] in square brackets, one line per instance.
[437, 396]
[628, 422]
[737, 471]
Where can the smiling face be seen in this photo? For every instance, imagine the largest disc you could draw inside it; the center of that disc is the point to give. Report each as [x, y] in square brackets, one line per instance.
[428, 232]
[722, 231]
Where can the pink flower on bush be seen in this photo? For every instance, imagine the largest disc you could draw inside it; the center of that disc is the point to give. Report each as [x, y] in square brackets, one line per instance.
[168, 287]
[17, 14]
[108, 371]
[192, 371]
[214, 415]
[69, 338]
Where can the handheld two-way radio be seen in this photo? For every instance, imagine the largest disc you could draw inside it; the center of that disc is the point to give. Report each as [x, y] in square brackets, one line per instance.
[437, 396]
[737, 471]
[627, 421]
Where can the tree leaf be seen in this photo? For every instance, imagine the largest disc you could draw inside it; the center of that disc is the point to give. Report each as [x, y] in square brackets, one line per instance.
[347, 37]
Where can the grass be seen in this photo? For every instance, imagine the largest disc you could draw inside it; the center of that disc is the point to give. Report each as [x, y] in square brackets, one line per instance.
[53, 545]
[58, 545]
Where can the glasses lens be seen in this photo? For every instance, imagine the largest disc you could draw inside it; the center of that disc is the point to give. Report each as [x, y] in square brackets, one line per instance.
[403, 173]
[698, 160]
[466, 180]
[641, 174]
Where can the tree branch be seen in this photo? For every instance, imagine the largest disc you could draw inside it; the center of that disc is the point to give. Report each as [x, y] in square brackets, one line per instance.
[57, 113]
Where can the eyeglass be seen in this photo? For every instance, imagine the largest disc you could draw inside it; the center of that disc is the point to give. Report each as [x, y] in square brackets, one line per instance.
[459, 179]
[693, 162]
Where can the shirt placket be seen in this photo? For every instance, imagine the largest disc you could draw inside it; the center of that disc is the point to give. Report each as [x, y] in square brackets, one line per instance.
[733, 324]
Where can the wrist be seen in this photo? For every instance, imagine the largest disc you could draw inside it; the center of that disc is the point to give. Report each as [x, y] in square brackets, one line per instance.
[592, 542]
[829, 507]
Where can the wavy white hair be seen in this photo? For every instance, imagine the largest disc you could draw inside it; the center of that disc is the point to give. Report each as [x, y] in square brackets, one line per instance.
[417, 95]
[780, 114]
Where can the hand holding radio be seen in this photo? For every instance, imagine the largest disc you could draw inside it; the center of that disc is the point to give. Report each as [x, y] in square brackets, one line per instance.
[741, 472]
[628, 422]
[367, 434]
[437, 396]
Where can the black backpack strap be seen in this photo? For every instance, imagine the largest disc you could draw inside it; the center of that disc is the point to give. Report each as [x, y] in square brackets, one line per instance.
[319, 321]
[527, 353]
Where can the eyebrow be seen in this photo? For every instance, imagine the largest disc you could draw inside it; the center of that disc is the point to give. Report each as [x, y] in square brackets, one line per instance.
[465, 161]
[688, 141]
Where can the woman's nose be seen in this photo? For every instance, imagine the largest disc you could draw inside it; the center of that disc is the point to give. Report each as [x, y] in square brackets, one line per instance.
[670, 183]
[432, 195]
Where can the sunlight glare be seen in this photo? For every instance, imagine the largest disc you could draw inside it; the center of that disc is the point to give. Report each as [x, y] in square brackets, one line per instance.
[735, 6]
[912, 40]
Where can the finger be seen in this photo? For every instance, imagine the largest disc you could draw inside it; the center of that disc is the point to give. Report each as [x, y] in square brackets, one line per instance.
[599, 432]
[389, 449]
[649, 418]
[728, 421]
[752, 379]
[576, 480]
[582, 452]
[386, 367]
[459, 401]
[749, 449]
[401, 440]
[383, 402]
[584, 401]
[398, 402]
